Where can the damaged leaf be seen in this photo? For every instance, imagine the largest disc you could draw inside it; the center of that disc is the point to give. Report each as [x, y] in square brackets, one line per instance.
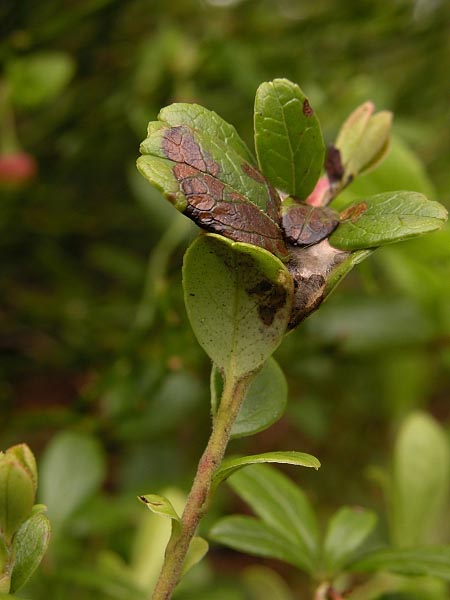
[387, 218]
[207, 122]
[304, 224]
[238, 298]
[211, 183]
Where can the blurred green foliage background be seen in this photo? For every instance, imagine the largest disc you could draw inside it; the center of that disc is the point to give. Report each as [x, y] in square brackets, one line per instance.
[94, 338]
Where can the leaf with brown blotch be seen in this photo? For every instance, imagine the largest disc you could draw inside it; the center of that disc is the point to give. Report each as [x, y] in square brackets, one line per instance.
[304, 224]
[211, 184]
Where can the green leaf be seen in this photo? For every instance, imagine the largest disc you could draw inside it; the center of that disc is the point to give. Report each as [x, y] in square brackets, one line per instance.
[233, 464]
[262, 582]
[433, 561]
[39, 78]
[30, 544]
[420, 480]
[16, 494]
[264, 403]
[386, 218]
[207, 122]
[212, 184]
[72, 469]
[288, 138]
[160, 506]
[197, 550]
[109, 577]
[235, 293]
[346, 531]
[252, 536]
[281, 505]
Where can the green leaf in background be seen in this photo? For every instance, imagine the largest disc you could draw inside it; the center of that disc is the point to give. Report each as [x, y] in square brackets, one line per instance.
[429, 560]
[72, 468]
[255, 537]
[264, 403]
[346, 531]
[233, 464]
[282, 506]
[39, 78]
[262, 582]
[29, 546]
[235, 293]
[288, 138]
[209, 123]
[212, 184]
[421, 478]
[110, 577]
[17, 494]
[386, 218]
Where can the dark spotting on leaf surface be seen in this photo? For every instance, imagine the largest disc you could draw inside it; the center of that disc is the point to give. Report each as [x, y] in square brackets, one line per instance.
[270, 299]
[211, 203]
[353, 212]
[273, 206]
[307, 108]
[304, 224]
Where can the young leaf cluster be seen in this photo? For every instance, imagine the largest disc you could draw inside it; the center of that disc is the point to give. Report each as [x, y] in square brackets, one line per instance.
[24, 529]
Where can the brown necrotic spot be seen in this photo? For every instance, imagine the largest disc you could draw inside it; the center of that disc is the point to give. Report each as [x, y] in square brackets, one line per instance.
[307, 108]
[179, 145]
[213, 205]
[269, 297]
[353, 213]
